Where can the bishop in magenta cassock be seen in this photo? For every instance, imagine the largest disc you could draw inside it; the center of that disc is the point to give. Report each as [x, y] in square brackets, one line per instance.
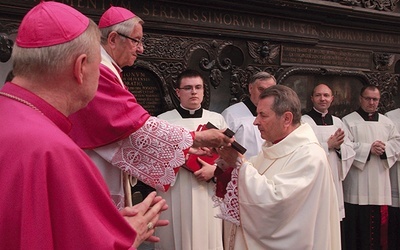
[52, 195]
[117, 133]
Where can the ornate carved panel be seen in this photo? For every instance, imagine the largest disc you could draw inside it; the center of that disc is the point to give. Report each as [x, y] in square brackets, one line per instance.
[228, 64]
[346, 43]
[6, 45]
[388, 84]
[387, 5]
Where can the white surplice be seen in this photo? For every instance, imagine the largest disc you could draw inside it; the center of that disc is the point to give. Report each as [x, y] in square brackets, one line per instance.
[191, 212]
[368, 181]
[340, 165]
[286, 198]
[394, 115]
[240, 120]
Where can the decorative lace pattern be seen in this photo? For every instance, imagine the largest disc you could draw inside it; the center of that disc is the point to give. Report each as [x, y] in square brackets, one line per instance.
[154, 153]
[229, 205]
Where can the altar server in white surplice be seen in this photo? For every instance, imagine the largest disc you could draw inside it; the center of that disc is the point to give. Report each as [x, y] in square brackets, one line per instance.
[240, 116]
[284, 198]
[193, 225]
[394, 209]
[333, 137]
[367, 185]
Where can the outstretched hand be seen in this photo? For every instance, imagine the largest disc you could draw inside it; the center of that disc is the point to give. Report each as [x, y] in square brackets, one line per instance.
[228, 157]
[212, 138]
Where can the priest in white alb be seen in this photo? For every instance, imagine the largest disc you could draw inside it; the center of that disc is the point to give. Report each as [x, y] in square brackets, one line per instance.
[284, 198]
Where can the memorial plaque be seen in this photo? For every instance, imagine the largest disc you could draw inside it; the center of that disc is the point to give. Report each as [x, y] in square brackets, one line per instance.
[147, 87]
[326, 56]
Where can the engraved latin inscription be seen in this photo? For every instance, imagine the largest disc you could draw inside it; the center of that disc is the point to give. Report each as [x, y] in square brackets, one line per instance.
[261, 25]
[146, 87]
[357, 59]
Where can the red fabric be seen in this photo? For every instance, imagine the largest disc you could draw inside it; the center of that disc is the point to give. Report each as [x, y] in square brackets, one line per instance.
[223, 178]
[51, 196]
[192, 164]
[384, 227]
[112, 115]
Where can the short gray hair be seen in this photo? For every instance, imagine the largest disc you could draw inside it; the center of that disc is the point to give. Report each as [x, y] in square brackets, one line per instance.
[262, 75]
[285, 99]
[125, 28]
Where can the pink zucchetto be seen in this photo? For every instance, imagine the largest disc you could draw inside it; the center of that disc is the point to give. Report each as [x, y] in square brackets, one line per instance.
[50, 23]
[115, 15]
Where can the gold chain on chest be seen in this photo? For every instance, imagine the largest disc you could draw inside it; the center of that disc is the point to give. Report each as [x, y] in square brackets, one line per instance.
[20, 100]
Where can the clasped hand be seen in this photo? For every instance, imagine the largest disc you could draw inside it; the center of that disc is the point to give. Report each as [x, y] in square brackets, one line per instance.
[336, 139]
[378, 148]
[144, 218]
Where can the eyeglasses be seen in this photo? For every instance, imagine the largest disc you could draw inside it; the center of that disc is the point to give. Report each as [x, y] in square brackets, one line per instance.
[189, 88]
[135, 41]
[368, 99]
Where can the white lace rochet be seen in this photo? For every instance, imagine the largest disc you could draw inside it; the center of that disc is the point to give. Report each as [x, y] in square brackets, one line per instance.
[154, 153]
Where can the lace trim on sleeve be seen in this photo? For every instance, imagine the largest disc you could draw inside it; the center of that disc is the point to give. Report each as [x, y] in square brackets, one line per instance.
[229, 205]
[154, 153]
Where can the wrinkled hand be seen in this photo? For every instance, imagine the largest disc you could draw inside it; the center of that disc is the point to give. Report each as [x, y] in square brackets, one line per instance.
[212, 138]
[206, 172]
[336, 139]
[229, 157]
[200, 151]
[140, 215]
[378, 148]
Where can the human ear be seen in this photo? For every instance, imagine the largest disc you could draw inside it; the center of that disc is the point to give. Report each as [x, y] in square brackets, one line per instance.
[287, 118]
[79, 67]
[111, 39]
[177, 93]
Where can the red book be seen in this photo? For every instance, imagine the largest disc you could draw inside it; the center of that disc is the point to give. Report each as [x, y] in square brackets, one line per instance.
[192, 164]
